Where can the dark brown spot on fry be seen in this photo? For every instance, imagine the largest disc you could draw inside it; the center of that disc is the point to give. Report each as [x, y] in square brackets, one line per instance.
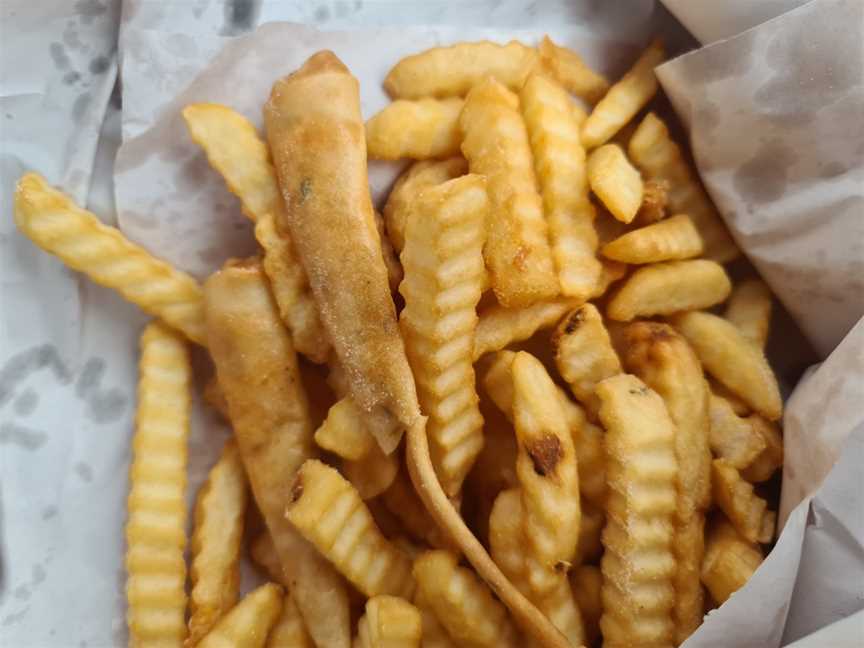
[574, 320]
[305, 189]
[640, 391]
[545, 454]
[297, 489]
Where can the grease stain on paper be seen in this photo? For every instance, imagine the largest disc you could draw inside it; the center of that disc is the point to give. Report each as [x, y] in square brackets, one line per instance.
[24, 437]
[764, 177]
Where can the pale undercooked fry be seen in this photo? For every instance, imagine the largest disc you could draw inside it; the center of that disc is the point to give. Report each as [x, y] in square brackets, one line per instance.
[329, 513]
[500, 327]
[316, 136]
[373, 473]
[461, 602]
[584, 354]
[421, 129]
[215, 568]
[586, 581]
[736, 363]
[241, 157]
[559, 161]
[443, 263]
[52, 221]
[733, 437]
[638, 566]
[419, 175]
[454, 70]
[735, 497]
[749, 309]
[624, 99]
[671, 239]
[655, 197]
[571, 72]
[289, 630]
[615, 182]
[658, 157]
[257, 369]
[343, 432]
[729, 560]
[771, 458]
[434, 635]
[156, 523]
[249, 622]
[670, 287]
[402, 501]
[547, 472]
[391, 259]
[495, 142]
[389, 622]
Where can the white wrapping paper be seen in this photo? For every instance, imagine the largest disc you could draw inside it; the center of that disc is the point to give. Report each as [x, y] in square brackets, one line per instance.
[63, 460]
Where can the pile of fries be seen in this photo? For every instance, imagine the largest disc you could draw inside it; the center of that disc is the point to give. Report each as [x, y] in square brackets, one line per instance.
[535, 433]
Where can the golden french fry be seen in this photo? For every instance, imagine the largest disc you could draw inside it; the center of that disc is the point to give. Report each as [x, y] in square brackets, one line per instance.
[409, 185]
[289, 630]
[52, 221]
[571, 71]
[547, 471]
[615, 182]
[443, 263]
[658, 157]
[590, 533]
[249, 622]
[463, 604]
[769, 525]
[329, 513]
[434, 635]
[738, 406]
[390, 622]
[624, 99]
[735, 497]
[215, 568]
[391, 259]
[156, 524]
[248, 341]
[586, 582]
[454, 70]
[610, 272]
[495, 142]
[263, 553]
[771, 458]
[500, 327]
[343, 432]
[584, 354]
[732, 360]
[559, 161]
[215, 398]
[671, 239]
[373, 473]
[316, 110]
[402, 501]
[689, 550]
[669, 287]
[638, 567]
[420, 129]
[729, 560]
[733, 437]
[655, 197]
[749, 309]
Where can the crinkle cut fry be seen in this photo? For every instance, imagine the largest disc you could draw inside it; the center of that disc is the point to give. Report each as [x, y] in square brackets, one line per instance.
[249, 622]
[499, 327]
[421, 129]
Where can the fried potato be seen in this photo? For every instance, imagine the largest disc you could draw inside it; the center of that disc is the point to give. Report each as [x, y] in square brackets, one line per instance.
[434, 635]
[749, 309]
[547, 472]
[624, 99]
[373, 473]
[669, 287]
[733, 437]
[638, 566]
[443, 262]
[559, 161]
[610, 272]
[771, 458]
[417, 177]
[568, 68]
[156, 523]
[215, 568]
[769, 526]
[263, 553]
[689, 550]
[495, 142]
[343, 432]
[463, 604]
[615, 182]
[390, 622]
[391, 259]
[249, 622]
[584, 354]
[738, 406]
[586, 582]
[402, 501]
[735, 497]
[732, 360]
[671, 239]
[499, 327]
[289, 630]
[250, 346]
[658, 157]
[729, 561]
[420, 129]
[329, 513]
[454, 70]
[52, 221]
[590, 532]
[316, 111]
[655, 197]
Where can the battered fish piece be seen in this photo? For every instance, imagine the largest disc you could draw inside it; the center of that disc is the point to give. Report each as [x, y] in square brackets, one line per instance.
[317, 139]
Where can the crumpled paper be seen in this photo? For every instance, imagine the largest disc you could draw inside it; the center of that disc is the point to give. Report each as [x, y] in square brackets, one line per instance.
[810, 578]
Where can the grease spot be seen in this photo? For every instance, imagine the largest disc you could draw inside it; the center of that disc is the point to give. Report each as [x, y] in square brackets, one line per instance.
[71, 78]
[107, 406]
[322, 14]
[342, 9]
[714, 63]
[90, 377]
[58, 55]
[24, 437]
[240, 16]
[49, 512]
[71, 38]
[26, 403]
[99, 65]
[84, 471]
[37, 575]
[89, 9]
[15, 617]
[22, 593]
[79, 108]
[764, 177]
